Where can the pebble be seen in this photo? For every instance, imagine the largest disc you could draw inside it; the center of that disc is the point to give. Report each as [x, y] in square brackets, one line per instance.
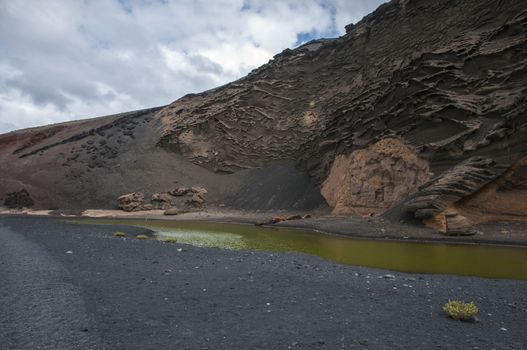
[389, 276]
[69, 252]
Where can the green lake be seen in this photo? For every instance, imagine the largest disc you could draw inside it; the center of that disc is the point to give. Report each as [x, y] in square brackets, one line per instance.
[436, 258]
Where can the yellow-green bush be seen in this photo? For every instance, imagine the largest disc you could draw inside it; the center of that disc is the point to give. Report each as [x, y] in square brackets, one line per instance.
[460, 310]
[119, 234]
[141, 237]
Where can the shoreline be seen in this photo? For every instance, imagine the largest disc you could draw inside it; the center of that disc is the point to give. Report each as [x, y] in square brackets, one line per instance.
[497, 233]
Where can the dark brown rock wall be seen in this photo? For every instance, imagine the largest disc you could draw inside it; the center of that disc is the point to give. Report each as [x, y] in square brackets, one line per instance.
[449, 78]
[446, 78]
[504, 197]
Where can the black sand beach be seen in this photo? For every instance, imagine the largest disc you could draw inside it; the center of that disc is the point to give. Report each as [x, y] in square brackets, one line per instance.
[68, 286]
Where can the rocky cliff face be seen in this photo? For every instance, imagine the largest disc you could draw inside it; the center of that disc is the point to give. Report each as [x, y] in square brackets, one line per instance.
[422, 104]
[446, 78]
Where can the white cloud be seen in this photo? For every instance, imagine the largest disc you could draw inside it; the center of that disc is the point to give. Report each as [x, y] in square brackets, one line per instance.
[63, 60]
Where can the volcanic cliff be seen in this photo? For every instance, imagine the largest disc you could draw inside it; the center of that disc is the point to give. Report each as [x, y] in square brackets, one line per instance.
[420, 109]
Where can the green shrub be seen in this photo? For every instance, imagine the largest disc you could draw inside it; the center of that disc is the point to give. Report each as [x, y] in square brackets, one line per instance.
[459, 310]
[141, 237]
[119, 234]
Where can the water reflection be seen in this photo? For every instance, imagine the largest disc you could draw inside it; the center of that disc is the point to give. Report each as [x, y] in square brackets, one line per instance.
[475, 260]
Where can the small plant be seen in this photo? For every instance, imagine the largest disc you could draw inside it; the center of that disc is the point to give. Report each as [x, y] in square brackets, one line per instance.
[169, 240]
[141, 237]
[459, 310]
[119, 234]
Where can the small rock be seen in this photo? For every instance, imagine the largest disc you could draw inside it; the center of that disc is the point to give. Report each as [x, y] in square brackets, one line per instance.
[69, 252]
[171, 211]
[389, 276]
[147, 206]
[278, 219]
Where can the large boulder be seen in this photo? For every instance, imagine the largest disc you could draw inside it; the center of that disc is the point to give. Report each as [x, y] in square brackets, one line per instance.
[200, 191]
[131, 201]
[196, 201]
[18, 200]
[371, 180]
[162, 200]
[197, 197]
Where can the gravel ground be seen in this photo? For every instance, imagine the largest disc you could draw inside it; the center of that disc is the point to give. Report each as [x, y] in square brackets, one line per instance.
[68, 286]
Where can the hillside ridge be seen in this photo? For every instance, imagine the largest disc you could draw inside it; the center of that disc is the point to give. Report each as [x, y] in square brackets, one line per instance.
[442, 83]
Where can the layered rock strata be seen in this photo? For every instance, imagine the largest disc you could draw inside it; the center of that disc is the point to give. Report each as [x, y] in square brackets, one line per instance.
[446, 78]
[433, 90]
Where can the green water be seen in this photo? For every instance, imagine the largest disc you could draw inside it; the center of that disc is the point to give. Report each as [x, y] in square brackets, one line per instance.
[437, 258]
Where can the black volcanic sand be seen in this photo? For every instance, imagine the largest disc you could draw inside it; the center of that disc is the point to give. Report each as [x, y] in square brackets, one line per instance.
[68, 286]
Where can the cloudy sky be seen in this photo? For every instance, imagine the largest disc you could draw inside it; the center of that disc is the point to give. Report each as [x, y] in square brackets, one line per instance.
[72, 59]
